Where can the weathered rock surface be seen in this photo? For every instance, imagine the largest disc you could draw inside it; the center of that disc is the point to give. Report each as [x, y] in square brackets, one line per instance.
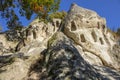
[115, 54]
[62, 61]
[32, 42]
[6, 46]
[88, 30]
[16, 66]
[40, 31]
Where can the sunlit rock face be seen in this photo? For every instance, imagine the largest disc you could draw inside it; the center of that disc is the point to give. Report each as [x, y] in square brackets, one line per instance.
[62, 61]
[6, 46]
[38, 32]
[88, 30]
[78, 48]
[41, 31]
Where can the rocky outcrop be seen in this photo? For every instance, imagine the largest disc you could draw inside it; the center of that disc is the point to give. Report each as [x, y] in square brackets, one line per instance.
[62, 61]
[115, 54]
[38, 32]
[32, 41]
[16, 66]
[81, 48]
[35, 32]
[6, 46]
[88, 30]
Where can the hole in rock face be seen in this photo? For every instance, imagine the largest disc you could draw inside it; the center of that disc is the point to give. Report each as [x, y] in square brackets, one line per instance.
[73, 26]
[98, 25]
[82, 37]
[53, 24]
[28, 32]
[101, 41]
[87, 21]
[94, 36]
[57, 23]
[34, 35]
[103, 27]
[46, 30]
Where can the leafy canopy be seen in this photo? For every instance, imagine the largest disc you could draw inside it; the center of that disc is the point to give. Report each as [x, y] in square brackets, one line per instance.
[9, 10]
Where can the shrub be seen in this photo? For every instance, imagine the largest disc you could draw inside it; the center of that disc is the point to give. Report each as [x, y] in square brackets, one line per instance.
[118, 32]
[59, 15]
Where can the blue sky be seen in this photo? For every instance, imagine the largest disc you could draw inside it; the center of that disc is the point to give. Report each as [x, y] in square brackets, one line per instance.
[110, 9]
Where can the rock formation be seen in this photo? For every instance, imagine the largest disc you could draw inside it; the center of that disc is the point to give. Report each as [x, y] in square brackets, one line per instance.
[88, 30]
[62, 61]
[80, 47]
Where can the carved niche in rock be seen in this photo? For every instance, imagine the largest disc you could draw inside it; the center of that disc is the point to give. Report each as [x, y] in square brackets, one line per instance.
[73, 26]
[101, 41]
[82, 37]
[94, 36]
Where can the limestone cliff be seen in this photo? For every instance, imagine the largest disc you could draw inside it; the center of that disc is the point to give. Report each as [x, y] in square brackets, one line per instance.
[80, 47]
[88, 30]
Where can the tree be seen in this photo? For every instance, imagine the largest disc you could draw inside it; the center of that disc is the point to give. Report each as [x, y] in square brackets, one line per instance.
[26, 8]
[118, 31]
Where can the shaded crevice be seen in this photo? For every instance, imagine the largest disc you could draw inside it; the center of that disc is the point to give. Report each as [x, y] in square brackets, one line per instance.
[98, 25]
[106, 39]
[82, 37]
[73, 26]
[94, 36]
[34, 35]
[101, 41]
[57, 23]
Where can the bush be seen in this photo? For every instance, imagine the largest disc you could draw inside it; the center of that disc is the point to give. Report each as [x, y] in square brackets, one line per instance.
[118, 31]
[58, 15]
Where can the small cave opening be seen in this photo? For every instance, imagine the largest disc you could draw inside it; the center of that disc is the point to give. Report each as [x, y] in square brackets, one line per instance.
[57, 23]
[34, 35]
[103, 26]
[87, 21]
[73, 26]
[101, 41]
[98, 25]
[94, 36]
[82, 37]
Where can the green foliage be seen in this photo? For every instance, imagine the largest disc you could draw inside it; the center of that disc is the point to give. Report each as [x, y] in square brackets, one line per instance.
[112, 32]
[59, 15]
[116, 34]
[118, 31]
[26, 8]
